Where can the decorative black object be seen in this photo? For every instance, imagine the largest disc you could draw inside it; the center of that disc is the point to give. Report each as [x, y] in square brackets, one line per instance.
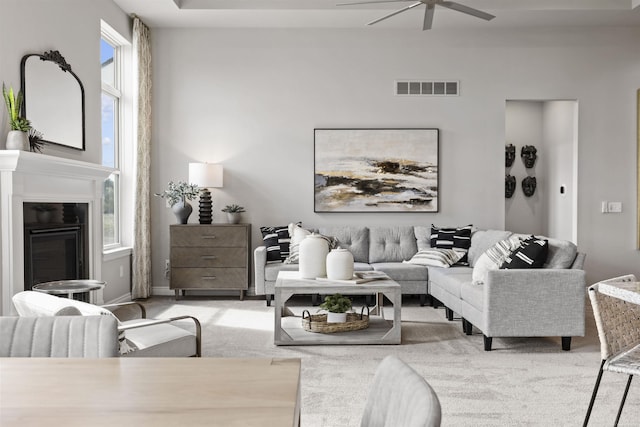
[60, 87]
[529, 156]
[509, 186]
[529, 186]
[509, 155]
[205, 206]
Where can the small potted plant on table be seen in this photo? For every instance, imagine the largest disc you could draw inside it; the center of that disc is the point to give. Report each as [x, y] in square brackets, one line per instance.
[233, 213]
[337, 306]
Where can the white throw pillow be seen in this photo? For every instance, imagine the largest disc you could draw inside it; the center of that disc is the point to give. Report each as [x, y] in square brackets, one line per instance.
[435, 257]
[493, 258]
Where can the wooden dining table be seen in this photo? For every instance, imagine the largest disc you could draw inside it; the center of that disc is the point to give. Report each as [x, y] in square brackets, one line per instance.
[149, 392]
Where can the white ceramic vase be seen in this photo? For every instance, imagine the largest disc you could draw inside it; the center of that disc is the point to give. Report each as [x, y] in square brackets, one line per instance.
[336, 317]
[339, 264]
[17, 140]
[313, 257]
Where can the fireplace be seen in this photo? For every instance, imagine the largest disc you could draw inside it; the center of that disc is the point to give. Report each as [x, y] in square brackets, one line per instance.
[55, 244]
[74, 230]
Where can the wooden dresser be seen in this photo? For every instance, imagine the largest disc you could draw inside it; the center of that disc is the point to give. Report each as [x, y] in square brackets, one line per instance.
[211, 257]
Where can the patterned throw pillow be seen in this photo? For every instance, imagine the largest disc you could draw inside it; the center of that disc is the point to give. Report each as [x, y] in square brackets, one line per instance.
[435, 257]
[276, 239]
[297, 234]
[458, 239]
[532, 253]
[493, 258]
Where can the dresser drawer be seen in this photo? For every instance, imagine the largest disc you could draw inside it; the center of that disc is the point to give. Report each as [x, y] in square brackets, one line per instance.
[208, 257]
[215, 235]
[208, 278]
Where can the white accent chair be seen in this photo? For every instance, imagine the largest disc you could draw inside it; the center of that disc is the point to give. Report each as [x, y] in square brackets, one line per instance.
[618, 324]
[138, 337]
[400, 397]
[59, 336]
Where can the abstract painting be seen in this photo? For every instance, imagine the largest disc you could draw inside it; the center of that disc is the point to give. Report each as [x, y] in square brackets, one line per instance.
[376, 170]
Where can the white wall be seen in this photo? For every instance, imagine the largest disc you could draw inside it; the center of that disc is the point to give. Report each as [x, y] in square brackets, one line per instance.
[73, 28]
[559, 121]
[251, 99]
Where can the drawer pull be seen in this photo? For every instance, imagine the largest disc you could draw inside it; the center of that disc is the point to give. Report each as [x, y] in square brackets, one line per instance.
[208, 277]
[209, 237]
[209, 257]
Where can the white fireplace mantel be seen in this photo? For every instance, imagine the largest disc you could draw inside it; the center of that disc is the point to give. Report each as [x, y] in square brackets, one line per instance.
[33, 177]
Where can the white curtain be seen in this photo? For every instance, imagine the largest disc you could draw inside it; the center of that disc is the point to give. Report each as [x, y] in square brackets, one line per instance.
[141, 264]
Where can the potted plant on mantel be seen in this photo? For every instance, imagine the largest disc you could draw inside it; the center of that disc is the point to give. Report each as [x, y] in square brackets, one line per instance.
[233, 213]
[337, 306]
[17, 139]
[177, 195]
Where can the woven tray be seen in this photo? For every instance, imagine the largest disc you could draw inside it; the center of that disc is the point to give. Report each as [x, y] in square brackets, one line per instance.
[318, 322]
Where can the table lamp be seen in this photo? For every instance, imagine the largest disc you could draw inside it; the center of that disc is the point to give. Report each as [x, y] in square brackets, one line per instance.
[205, 176]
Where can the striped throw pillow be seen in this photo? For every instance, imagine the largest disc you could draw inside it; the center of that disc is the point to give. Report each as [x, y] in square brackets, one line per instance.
[435, 257]
[457, 238]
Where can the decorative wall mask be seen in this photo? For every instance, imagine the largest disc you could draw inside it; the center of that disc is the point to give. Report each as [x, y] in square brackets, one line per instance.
[509, 186]
[529, 185]
[529, 156]
[509, 155]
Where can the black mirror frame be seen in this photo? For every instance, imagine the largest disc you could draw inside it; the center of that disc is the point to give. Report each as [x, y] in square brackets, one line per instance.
[55, 57]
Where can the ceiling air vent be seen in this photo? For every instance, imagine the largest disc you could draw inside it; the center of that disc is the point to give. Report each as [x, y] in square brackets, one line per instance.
[427, 88]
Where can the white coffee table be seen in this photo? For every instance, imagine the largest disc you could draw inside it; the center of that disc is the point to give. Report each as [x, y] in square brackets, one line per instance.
[288, 329]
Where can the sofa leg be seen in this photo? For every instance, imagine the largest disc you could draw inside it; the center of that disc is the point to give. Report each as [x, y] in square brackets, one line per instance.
[269, 298]
[435, 303]
[449, 313]
[487, 342]
[467, 327]
[423, 300]
[566, 343]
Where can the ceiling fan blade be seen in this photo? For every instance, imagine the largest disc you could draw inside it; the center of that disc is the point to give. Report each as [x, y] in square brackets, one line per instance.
[395, 13]
[428, 17]
[371, 1]
[466, 9]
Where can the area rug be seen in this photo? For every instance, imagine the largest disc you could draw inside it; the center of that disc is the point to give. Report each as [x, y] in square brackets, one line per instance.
[522, 382]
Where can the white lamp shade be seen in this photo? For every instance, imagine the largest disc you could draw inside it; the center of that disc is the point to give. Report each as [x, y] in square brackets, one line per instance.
[205, 175]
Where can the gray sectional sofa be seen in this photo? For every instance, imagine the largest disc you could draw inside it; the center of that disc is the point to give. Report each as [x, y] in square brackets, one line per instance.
[510, 303]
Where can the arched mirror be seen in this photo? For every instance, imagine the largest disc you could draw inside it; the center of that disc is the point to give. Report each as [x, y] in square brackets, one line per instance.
[53, 99]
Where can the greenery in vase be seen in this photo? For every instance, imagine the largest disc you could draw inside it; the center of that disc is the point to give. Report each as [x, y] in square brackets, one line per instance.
[14, 102]
[336, 303]
[179, 192]
[233, 209]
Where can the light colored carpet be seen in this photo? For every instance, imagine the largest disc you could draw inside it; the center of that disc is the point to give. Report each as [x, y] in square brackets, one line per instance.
[522, 382]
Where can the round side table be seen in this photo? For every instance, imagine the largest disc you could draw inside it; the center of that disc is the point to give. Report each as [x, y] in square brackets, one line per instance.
[73, 289]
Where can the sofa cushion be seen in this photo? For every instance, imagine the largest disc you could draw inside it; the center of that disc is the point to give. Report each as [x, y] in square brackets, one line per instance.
[391, 244]
[481, 240]
[401, 272]
[435, 257]
[493, 258]
[532, 253]
[423, 237]
[450, 279]
[276, 239]
[271, 270]
[353, 238]
[458, 238]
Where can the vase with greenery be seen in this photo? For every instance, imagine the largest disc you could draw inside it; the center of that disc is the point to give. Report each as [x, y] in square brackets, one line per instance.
[337, 305]
[17, 139]
[177, 195]
[233, 213]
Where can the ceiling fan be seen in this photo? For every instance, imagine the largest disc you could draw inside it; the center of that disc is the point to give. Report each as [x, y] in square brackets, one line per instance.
[428, 13]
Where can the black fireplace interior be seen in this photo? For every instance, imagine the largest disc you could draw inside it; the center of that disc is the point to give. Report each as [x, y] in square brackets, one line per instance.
[55, 242]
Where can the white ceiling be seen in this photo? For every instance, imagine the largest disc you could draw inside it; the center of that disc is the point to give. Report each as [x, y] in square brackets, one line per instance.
[325, 13]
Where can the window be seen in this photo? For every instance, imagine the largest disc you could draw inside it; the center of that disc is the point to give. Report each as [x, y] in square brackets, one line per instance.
[117, 139]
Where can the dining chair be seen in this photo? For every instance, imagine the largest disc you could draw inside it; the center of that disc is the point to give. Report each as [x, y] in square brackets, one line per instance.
[58, 336]
[618, 324]
[138, 337]
[400, 397]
